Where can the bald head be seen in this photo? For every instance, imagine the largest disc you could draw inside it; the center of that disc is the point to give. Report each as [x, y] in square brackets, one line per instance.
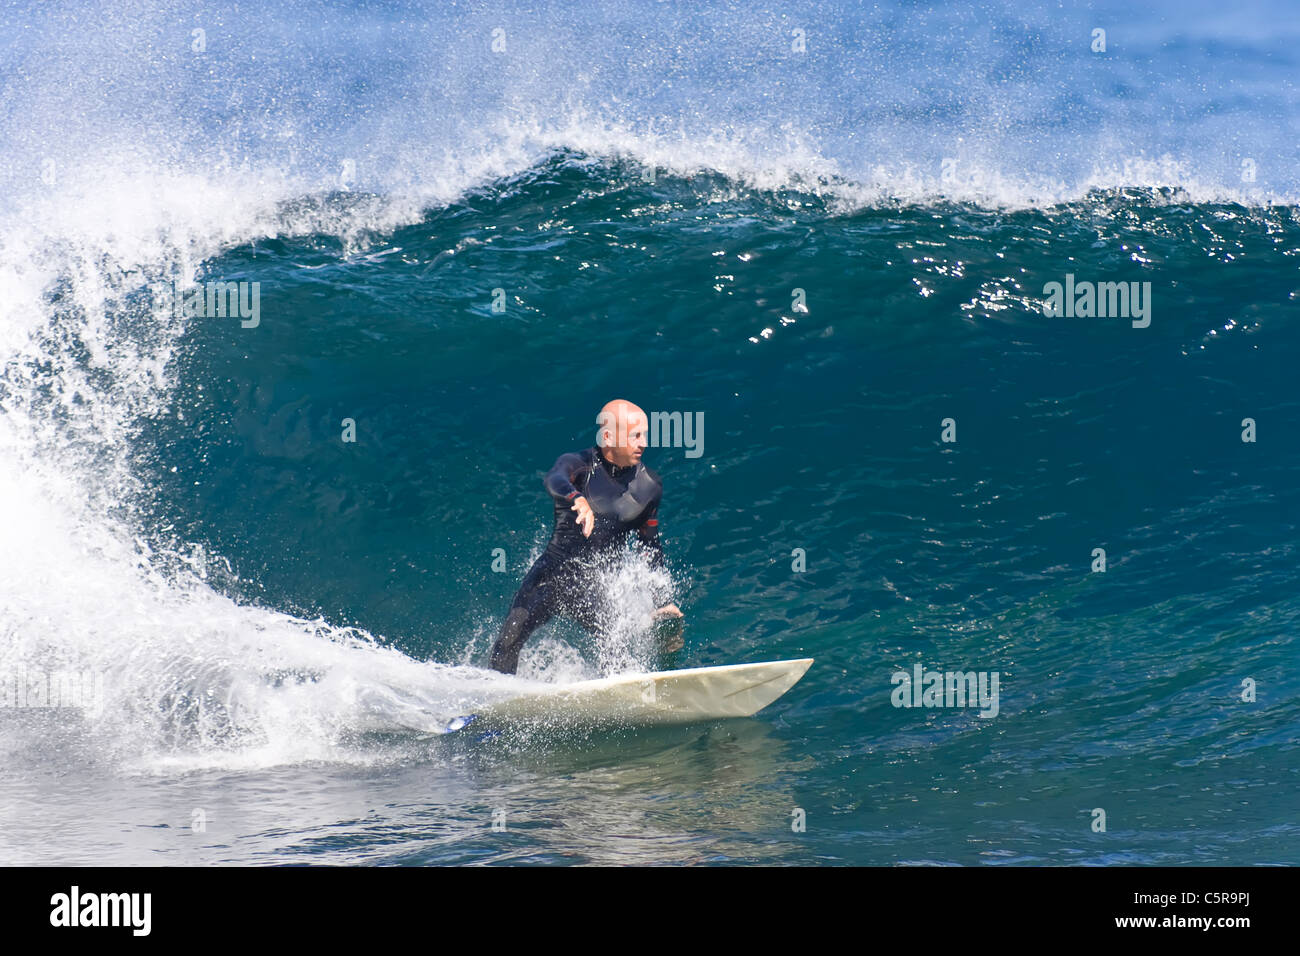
[622, 432]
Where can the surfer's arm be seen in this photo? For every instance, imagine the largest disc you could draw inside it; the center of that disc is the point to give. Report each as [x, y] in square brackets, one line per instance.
[559, 480]
[647, 532]
[660, 593]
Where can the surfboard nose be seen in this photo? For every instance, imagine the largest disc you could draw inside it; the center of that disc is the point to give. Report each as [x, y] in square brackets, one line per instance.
[767, 682]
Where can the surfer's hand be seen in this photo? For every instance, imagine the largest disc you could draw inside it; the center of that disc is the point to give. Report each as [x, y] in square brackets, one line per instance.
[586, 518]
[668, 610]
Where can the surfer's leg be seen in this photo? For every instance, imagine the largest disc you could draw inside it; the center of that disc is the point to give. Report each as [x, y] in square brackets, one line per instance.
[581, 609]
[577, 599]
[518, 627]
[532, 607]
[668, 643]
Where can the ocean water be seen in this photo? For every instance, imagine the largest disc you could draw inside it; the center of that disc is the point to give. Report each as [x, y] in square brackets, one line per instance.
[827, 232]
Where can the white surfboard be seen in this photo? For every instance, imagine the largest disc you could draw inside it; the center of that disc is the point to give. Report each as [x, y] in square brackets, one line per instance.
[661, 697]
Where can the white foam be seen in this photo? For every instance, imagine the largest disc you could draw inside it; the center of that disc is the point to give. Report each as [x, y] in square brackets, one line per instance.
[190, 677]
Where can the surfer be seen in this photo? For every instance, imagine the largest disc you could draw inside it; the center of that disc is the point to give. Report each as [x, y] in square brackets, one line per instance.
[600, 495]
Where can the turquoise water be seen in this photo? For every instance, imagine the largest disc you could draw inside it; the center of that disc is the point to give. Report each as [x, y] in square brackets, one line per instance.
[279, 616]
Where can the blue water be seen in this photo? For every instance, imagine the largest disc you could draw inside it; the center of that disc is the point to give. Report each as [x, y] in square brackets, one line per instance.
[279, 617]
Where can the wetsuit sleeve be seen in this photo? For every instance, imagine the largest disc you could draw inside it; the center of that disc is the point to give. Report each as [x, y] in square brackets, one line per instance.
[559, 480]
[647, 530]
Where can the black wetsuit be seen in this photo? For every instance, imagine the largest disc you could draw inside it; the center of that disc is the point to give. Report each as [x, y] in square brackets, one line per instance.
[622, 499]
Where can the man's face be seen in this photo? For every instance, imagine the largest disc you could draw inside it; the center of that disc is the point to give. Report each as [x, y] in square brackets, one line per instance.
[636, 437]
[632, 431]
